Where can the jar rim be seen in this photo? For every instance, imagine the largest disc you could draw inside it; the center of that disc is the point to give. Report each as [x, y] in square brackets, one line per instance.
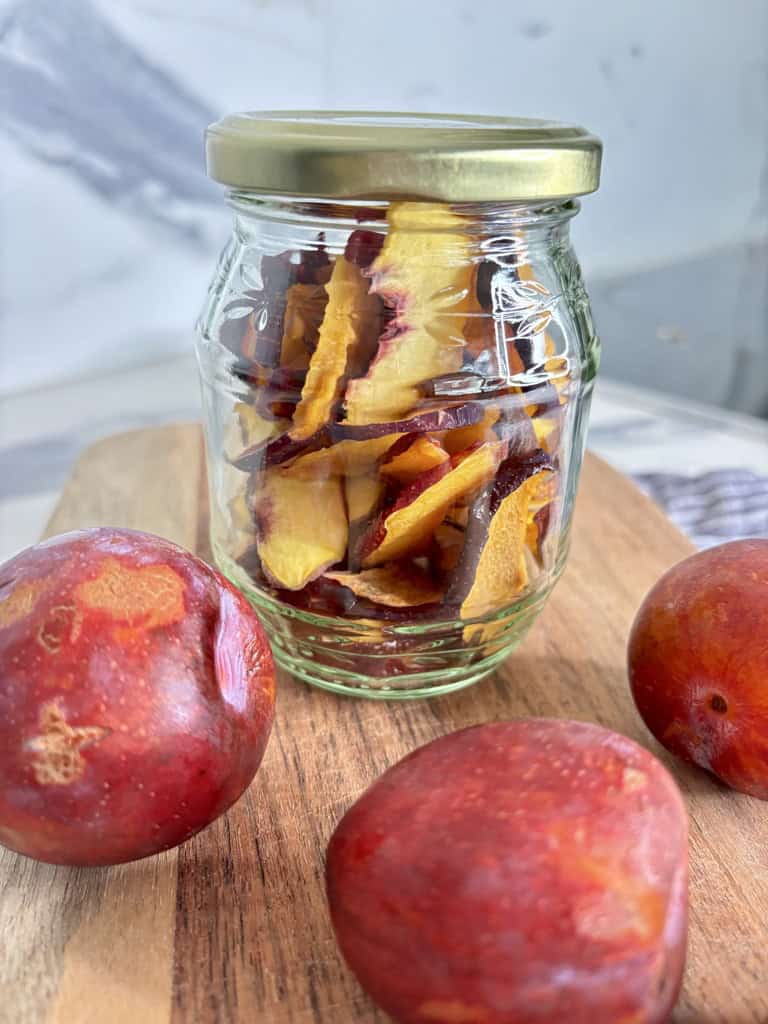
[398, 155]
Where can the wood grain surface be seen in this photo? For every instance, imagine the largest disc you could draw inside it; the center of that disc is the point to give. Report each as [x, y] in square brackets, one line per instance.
[233, 925]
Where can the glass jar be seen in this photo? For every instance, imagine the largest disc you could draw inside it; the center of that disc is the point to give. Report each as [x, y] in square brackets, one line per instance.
[397, 358]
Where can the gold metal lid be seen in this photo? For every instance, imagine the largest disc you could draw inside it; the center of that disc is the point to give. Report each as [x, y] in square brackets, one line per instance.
[443, 157]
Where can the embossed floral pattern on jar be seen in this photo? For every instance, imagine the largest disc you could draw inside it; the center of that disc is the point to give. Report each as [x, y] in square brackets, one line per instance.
[397, 359]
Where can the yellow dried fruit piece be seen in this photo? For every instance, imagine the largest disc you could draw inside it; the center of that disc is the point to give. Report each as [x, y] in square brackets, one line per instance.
[350, 458]
[351, 313]
[425, 273]
[410, 524]
[543, 491]
[305, 305]
[301, 526]
[559, 372]
[545, 428]
[485, 632]
[421, 455]
[532, 536]
[464, 437]
[395, 586]
[249, 430]
[458, 516]
[501, 571]
[363, 494]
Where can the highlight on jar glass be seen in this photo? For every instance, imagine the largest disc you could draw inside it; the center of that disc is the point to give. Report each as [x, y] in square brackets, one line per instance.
[397, 357]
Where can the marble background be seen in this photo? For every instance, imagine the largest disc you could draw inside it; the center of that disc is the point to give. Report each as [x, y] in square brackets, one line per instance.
[110, 228]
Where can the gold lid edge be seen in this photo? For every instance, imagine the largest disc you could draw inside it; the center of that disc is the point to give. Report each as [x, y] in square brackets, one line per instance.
[503, 160]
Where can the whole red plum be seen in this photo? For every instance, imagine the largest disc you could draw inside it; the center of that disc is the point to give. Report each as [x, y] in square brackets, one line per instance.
[515, 873]
[698, 662]
[136, 697]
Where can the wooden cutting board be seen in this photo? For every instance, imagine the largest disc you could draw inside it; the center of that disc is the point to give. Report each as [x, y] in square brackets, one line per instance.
[233, 926]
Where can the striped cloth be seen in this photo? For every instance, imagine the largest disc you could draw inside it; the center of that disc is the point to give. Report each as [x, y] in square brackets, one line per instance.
[723, 505]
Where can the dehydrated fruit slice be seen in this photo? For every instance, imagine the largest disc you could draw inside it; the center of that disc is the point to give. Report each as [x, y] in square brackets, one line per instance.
[458, 516]
[558, 368]
[492, 568]
[447, 417]
[464, 437]
[351, 458]
[255, 324]
[407, 526]
[249, 436]
[543, 490]
[282, 392]
[351, 317]
[424, 273]
[301, 526]
[537, 530]
[412, 456]
[363, 247]
[275, 450]
[254, 428]
[396, 586]
[364, 495]
[303, 315]
[545, 428]
[284, 450]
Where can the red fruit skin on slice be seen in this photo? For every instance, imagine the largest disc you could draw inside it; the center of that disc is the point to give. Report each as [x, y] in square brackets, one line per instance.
[399, 500]
[363, 247]
[426, 421]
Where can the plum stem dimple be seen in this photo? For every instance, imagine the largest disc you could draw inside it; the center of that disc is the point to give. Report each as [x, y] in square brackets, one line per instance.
[718, 704]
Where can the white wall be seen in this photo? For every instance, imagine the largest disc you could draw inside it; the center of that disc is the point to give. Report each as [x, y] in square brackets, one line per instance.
[91, 274]
[678, 89]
